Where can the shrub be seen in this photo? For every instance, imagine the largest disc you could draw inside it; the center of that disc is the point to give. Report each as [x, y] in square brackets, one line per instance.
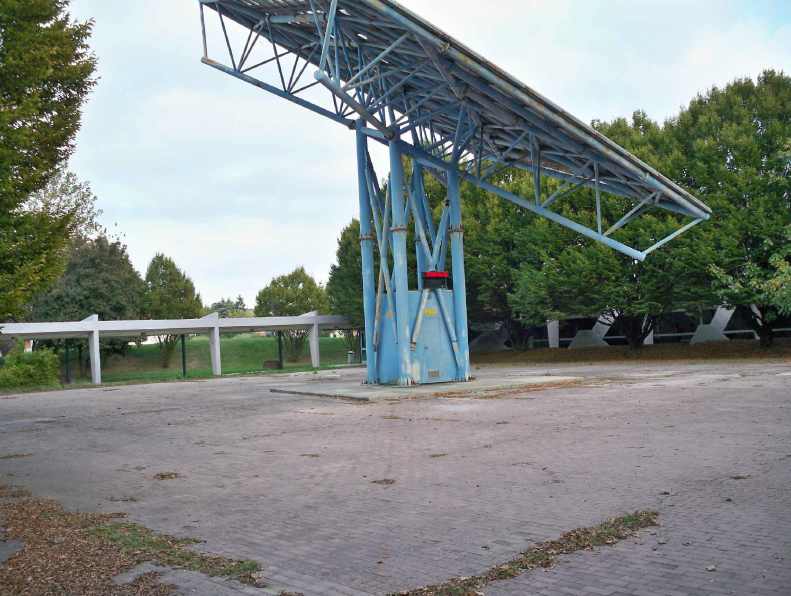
[29, 369]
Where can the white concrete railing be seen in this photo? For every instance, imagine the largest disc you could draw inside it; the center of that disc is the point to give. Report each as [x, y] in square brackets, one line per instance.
[93, 329]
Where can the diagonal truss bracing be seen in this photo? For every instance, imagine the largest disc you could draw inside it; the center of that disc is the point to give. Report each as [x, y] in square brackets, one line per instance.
[412, 83]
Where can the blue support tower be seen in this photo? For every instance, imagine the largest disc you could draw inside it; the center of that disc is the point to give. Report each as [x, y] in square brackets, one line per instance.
[393, 77]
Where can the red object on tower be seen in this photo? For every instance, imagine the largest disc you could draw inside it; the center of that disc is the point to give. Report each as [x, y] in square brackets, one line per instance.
[435, 280]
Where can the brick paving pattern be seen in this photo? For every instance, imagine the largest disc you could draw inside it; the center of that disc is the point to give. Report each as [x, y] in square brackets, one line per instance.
[665, 436]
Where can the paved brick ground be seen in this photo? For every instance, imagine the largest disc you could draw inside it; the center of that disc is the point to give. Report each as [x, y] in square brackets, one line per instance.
[566, 457]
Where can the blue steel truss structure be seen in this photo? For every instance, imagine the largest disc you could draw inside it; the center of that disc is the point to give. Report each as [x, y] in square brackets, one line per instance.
[398, 80]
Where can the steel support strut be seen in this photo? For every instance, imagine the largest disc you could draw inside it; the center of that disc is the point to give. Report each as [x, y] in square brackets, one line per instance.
[367, 249]
[456, 233]
[405, 376]
[417, 192]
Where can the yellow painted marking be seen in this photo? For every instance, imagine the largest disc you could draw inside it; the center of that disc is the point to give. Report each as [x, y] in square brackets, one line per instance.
[431, 311]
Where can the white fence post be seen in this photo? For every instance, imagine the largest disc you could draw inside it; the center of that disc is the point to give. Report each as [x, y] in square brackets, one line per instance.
[313, 339]
[93, 351]
[214, 344]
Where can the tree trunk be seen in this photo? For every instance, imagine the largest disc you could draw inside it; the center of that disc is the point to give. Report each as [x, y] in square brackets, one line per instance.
[635, 329]
[758, 324]
[636, 341]
[167, 344]
[352, 339]
[293, 341]
[518, 334]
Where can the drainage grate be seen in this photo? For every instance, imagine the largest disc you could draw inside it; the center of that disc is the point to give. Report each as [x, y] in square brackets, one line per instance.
[433, 374]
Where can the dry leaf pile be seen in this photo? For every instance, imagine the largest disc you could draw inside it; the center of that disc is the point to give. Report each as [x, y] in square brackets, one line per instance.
[542, 555]
[80, 553]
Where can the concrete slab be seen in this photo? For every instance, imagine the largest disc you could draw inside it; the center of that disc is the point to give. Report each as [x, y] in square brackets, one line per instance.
[141, 569]
[475, 481]
[8, 548]
[486, 387]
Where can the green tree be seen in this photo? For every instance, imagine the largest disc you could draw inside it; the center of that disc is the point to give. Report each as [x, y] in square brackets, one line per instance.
[64, 197]
[579, 276]
[229, 309]
[98, 279]
[779, 284]
[732, 148]
[169, 294]
[291, 295]
[772, 285]
[345, 284]
[46, 74]
[493, 253]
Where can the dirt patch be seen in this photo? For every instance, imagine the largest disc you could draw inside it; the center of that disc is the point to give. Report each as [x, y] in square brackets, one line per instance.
[80, 553]
[166, 476]
[9, 491]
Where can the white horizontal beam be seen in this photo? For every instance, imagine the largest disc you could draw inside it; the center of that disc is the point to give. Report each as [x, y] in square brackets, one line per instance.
[82, 329]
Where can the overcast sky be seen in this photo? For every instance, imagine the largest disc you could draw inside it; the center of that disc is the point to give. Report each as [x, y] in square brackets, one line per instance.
[238, 186]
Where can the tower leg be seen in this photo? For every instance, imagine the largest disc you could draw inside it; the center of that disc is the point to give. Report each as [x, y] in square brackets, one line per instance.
[400, 268]
[367, 249]
[459, 282]
[417, 190]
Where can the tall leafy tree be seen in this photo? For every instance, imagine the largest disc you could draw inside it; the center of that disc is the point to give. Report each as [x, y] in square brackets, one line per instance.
[229, 309]
[345, 284]
[772, 284]
[732, 148]
[169, 294]
[494, 251]
[64, 197]
[46, 74]
[291, 295]
[779, 284]
[578, 276]
[98, 279]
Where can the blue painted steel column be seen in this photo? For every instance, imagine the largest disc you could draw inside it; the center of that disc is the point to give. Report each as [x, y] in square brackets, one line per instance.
[459, 283]
[400, 267]
[417, 192]
[367, 249]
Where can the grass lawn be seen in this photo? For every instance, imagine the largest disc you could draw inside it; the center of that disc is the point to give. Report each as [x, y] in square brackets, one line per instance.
[719, 350]
[241, 354]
